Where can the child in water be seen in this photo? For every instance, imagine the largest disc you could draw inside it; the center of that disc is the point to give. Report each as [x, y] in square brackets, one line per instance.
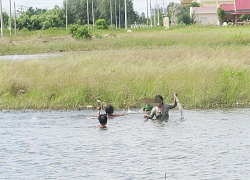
[109, 113]
[102, 119]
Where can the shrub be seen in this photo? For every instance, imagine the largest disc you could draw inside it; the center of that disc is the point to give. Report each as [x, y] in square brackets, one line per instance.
[101, 24]
[80, 32]
[73, 28]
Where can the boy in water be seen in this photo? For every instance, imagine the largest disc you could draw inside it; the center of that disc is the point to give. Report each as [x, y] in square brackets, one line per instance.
[102, 118]
[109, 110]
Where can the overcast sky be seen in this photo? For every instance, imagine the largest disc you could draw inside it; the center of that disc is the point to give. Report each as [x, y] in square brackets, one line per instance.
[139, 5]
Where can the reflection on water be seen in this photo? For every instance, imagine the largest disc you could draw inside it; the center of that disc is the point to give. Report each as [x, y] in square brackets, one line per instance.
[211, 144]
[28, 56]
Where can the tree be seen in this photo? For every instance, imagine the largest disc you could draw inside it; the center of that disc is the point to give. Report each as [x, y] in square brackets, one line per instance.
[185, 17]
[194, 4]
[36, 19]
[141, 19]
[221, 15]
[77, 11]
[174, 11]
[5, 19]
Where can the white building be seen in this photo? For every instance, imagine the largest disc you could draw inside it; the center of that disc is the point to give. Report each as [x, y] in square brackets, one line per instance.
[205, 15]
[211, 3]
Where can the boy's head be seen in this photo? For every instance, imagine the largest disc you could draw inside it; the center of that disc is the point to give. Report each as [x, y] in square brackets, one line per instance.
[102, 119]
[109, 109]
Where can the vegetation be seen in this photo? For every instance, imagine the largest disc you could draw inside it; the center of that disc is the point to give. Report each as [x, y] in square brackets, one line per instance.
[101, 24]
[41, 19]
[244, 17]
[184, 15]
[110, 14]
[221, 15]
[80, 32]
[208, 67]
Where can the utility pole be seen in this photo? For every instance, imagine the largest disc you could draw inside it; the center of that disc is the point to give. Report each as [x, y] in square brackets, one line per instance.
[88, 13]
[66, 9]
[147, 13]
[111, 13]
[1, 15]
[93, 15]
[126, 25]
[155, 16]
[115, 16]
[150, 15]
[119, 14]
[10, 20]
[158, 23]
[15, 15]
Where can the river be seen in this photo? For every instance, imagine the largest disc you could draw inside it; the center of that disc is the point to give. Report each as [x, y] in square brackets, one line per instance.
[206, 145]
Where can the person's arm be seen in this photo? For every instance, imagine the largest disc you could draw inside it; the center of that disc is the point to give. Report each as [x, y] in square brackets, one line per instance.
[171, 106]
[98, 111]
[151, 115]
[122, 114]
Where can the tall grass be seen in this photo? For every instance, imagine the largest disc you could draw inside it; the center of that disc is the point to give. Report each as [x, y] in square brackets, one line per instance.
[208, 67]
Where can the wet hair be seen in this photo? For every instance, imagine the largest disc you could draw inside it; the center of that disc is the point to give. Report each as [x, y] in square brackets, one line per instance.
[109, 109]
[157, 97]
[103, 119]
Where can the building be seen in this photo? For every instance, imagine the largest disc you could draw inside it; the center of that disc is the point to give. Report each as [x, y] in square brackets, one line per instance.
[205, 15]
[236, 9]
[211, 3]
[186, 2]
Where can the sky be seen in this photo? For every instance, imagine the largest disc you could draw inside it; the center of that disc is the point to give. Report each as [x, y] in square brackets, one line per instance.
[139, 5]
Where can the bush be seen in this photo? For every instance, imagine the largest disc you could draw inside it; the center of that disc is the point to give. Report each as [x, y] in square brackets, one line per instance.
[82, 32]
[73, 28]
[101, 24]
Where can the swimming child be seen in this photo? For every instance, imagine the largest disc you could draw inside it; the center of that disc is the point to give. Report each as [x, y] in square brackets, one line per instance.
[102, 119]
[109, 113]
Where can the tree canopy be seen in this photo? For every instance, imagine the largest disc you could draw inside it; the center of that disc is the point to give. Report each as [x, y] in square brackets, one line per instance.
[82, 12]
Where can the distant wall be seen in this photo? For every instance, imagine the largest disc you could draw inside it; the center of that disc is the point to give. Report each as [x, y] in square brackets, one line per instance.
[205, 15]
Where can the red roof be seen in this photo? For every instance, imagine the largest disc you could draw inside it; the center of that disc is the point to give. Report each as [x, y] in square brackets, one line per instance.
[227, 7]
[240, 5]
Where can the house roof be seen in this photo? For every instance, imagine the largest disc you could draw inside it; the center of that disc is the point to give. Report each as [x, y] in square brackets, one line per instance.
[227, 7]
[239, 6]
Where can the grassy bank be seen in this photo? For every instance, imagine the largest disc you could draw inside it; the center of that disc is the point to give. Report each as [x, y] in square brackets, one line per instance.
[208, 67]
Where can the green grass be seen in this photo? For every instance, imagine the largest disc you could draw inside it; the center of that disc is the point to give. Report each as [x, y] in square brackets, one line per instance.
[209, 67]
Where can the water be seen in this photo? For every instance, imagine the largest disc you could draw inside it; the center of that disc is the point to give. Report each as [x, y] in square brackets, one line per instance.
[27, 57]
[207, 145]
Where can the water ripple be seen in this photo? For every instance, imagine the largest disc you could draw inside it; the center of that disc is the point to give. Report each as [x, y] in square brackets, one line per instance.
[208, 145]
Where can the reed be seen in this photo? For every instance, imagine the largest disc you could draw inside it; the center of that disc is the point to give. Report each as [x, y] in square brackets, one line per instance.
[208, 67]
